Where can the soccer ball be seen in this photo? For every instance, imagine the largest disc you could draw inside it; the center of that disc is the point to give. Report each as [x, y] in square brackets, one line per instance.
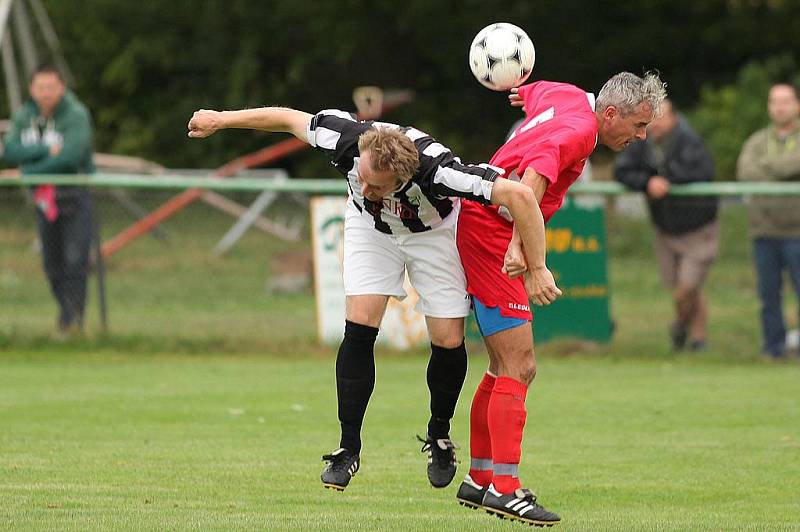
[501, 56]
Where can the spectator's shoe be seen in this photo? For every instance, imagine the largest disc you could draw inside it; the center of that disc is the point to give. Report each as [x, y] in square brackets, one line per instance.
[69, 332]
[792, 341]
[470, 494]
[678, 333]
[342, 466]
[697, 345]
[441, 460]
[518, 506]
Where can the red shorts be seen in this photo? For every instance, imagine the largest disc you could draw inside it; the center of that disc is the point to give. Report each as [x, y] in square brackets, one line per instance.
[483, 237]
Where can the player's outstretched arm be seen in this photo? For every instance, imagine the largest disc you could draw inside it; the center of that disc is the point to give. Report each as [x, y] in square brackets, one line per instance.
[206, 122]
[529, 239]
[516, 261]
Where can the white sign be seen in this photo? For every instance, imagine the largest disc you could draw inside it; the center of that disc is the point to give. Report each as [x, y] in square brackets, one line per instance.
[402, 327]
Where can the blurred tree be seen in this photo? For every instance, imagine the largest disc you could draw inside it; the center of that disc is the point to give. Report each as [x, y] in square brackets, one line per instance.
[727, 115]
[143, 67]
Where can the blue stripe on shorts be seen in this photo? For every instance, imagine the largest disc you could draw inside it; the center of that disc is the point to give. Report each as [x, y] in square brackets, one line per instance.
[490, 321]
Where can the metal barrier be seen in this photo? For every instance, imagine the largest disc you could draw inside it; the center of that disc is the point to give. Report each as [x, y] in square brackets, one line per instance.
[338, 186]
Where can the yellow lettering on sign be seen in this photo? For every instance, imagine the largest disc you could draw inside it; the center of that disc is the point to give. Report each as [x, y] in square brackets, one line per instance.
[562, 240]
[588, 291]
[558, 240]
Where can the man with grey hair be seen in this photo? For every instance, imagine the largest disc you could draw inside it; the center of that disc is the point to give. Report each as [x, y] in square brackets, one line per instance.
[547, 153]
[622, 96]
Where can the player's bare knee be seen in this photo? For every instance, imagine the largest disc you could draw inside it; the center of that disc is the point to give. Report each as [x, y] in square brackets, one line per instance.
[447, 333]
[364, 318]
[448, 342]
[519, 365]
[526, 365]
[528, 372]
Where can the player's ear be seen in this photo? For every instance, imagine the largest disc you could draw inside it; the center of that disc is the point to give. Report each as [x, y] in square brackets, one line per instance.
[610, 112]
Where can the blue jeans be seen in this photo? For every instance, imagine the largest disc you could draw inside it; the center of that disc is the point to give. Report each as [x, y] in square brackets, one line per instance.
[772, 256]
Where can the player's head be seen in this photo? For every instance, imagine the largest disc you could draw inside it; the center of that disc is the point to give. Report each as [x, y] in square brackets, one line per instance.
[47, 88]
[783, 105]
[664, 123]
[388, 159]
[625, 106]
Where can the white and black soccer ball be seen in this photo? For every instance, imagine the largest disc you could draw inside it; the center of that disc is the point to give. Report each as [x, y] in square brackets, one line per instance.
[501, 56]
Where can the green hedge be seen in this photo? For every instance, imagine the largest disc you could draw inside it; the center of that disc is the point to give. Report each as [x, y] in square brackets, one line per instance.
[725, 116]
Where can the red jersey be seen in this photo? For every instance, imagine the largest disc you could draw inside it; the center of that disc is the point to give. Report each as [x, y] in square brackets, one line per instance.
[557, 136]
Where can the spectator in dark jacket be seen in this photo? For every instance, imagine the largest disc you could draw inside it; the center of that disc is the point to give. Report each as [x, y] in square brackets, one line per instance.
[687, 228]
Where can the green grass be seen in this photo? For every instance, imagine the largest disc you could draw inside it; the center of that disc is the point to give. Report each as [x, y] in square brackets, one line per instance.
[163, 296]
[209, 404]
[162, 442]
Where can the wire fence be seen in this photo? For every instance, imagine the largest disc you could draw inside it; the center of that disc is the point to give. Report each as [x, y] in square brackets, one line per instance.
[179, 262]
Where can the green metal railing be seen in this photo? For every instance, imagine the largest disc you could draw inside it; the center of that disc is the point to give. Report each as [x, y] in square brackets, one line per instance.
[337, 186]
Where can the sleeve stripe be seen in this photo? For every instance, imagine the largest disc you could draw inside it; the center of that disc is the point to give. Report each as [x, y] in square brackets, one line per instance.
[464, 184]
[487, 189]
[434, 150]
[311, 133]
[324, 138]
[338, 113]
[415, 134]
[497, 169]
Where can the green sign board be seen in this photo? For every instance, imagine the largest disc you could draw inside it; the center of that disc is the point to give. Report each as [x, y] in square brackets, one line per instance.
[576, 254]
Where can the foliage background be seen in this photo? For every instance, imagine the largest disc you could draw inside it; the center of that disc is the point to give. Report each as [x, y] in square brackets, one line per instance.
[143, 67]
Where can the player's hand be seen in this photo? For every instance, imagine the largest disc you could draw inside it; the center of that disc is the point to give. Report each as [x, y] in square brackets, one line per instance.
[514, 263]
[658, 187]
[515, 99]
[55, 149]
[541, 286]
[204, 123]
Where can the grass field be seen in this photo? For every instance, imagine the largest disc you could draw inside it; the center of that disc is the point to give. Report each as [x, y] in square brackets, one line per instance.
[210, 403]
[110, 441]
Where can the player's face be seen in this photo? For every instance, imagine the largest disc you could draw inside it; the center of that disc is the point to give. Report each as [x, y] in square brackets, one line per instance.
[619, 130]
[47, 89]
[782, 105]
[375, 185]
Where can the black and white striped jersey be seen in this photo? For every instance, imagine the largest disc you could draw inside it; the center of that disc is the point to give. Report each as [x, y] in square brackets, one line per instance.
[422, 203]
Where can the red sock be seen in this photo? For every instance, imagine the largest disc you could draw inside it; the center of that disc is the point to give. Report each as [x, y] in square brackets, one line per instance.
[480, 446]
[506, 419]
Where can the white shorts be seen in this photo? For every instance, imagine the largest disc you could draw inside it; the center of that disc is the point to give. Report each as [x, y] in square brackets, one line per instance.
[375, 263]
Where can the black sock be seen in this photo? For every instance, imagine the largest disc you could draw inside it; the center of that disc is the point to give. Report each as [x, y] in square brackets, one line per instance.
[355, 379]
[447, 370]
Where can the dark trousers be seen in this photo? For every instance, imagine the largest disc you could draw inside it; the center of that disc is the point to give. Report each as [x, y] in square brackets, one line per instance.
[65, 253]
[772, 257]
